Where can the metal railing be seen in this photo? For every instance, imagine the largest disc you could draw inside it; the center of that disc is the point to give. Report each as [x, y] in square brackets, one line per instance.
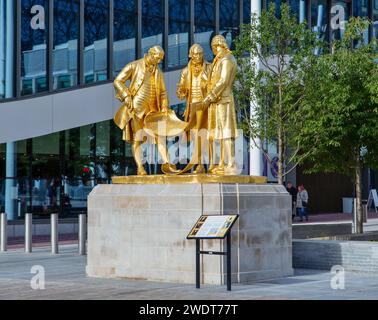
[54, 233]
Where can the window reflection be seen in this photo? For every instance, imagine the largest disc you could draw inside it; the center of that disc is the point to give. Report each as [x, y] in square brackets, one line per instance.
[375, 19]
[95, 40]
[204, 25]
[152, 24]
[66, 26]
[339, 18]
[125, 19]
[277, 4]
[229, 20]
[319, 18]
[178, 38]
[33, 46]
[360, 8]
[6, 49]
[246, 11]
[299, 8]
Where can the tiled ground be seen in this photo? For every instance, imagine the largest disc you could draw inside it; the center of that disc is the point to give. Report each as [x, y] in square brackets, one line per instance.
[65, 279]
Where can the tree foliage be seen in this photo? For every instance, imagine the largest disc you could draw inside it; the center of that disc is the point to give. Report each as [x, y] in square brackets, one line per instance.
[341, 105]
[341, 109]
[274, 54]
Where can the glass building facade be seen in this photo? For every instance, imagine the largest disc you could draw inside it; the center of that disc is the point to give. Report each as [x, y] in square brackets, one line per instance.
[56, 45]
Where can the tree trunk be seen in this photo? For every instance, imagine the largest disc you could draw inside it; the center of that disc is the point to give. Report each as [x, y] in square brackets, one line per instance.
[280, 157]
[358, 177]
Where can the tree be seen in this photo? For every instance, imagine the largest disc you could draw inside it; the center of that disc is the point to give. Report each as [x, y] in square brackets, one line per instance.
[279, 51]
[341, 109]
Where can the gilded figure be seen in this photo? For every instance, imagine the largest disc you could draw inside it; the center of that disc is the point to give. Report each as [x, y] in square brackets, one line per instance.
[222, 125]
[146, 94]
[193, 88]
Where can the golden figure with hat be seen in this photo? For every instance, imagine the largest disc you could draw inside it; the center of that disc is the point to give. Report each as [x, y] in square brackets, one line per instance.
[222, 125]
[145, 102]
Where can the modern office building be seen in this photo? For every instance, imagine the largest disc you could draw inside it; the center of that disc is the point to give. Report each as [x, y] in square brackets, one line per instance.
[58, 59]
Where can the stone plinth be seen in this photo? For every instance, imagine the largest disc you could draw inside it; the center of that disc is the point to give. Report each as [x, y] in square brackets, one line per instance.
[139, 231]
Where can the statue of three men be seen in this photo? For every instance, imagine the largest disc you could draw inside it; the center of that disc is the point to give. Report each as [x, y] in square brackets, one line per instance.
[210, 107]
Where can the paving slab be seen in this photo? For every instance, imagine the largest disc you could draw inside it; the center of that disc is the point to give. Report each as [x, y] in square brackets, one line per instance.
[66, 280]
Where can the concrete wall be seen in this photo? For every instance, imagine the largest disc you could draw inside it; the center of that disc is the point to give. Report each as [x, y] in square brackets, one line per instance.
[359, 256]
[139, 232]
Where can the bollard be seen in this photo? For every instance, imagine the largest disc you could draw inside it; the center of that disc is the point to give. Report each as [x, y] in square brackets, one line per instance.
[54, 233]
[82, 233]
[28, 232]
[3, 232]
[365, 212]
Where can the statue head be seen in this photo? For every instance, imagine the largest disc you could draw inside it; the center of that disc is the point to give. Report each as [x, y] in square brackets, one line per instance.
[219, 44]
[155, 55]
[196, 54]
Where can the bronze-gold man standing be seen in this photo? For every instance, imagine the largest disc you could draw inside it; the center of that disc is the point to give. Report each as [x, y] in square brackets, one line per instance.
[193, 87]
[147, 93]
[221, 107]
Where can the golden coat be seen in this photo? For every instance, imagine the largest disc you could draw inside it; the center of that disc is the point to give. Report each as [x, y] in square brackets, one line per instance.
[136, 73]
[222, 114]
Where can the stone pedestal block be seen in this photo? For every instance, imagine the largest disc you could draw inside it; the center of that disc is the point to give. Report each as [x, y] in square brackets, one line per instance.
[139, 232]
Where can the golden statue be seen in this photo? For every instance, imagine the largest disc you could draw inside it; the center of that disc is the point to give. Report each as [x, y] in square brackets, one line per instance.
[146, 98]
[207, 89]
[222, 125]
[193, 88]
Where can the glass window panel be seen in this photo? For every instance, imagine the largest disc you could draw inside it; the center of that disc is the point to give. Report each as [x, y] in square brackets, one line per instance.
[204, 25]
[47, 145]
[6, 49]
[375, 19]
[102, 150]
[33, 44]
[339, 18]
[298, 7]
[46, 157]
[2, 163]
[152, 24]
[66, 30]
[95, 39]
[277, 3]
[246, 11]
[319, 18]
[178, 38]
[125, 30]
[229, 20]
[360, 8]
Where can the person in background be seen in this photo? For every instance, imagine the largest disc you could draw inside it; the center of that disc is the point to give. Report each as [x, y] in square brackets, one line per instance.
[302, 202]
[293, 192]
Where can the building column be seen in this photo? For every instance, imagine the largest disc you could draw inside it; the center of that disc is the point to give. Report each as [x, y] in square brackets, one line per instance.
[2, 49]
[256, 162]
[11, 172]
[10, 182]
[9, 49]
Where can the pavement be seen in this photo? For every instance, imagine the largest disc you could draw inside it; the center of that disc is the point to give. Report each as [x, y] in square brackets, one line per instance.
[333, 218]
[65, 279]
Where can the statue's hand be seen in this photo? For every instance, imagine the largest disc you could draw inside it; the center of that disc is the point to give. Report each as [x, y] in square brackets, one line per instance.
[129, 102]
[181, 93]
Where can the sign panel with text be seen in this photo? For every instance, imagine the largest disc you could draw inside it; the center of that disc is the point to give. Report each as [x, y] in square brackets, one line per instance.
[212, 227]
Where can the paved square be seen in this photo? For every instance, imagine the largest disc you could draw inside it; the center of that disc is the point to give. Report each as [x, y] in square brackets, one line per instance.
[66, 279]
